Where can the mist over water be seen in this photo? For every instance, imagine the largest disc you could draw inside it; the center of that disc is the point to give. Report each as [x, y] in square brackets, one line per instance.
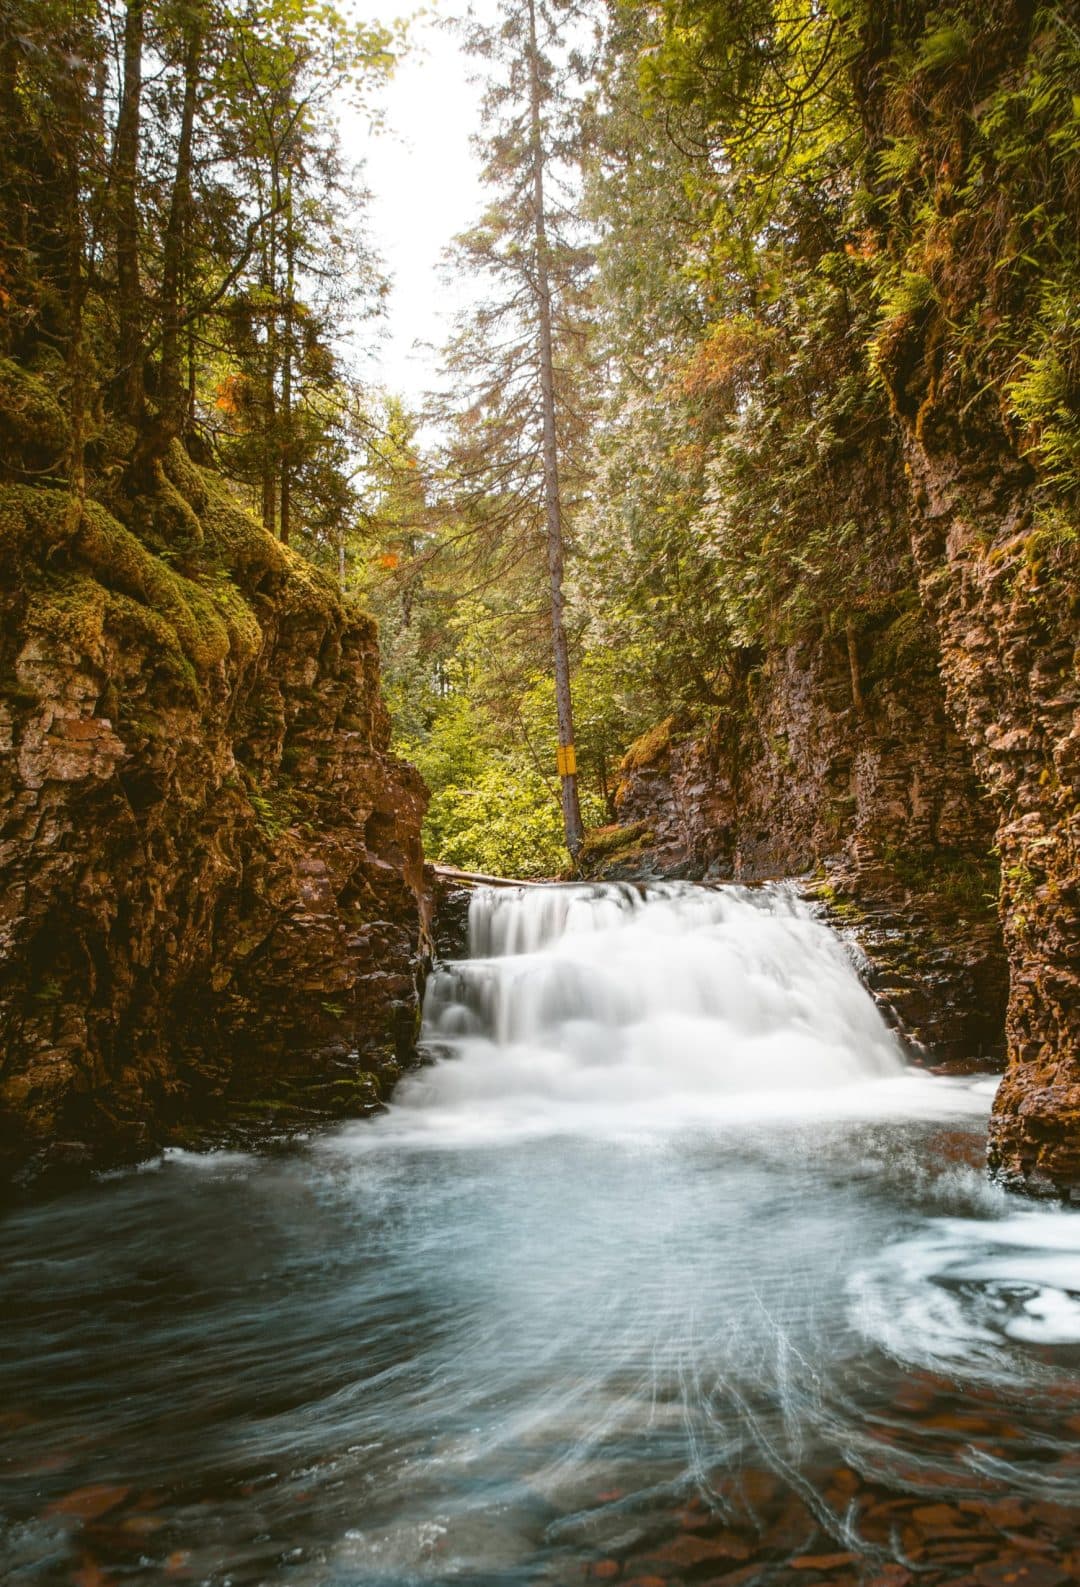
[669, 1219]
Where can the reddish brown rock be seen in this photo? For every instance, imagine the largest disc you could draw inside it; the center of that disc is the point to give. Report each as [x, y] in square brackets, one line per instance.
[890, 1576]
[1014, 1570]
[822, 1562]
[998, 562]
[879, 797]
[211, 885]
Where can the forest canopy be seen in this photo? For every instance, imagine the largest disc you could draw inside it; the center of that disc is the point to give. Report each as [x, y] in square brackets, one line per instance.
[761, 206]
[757, 216]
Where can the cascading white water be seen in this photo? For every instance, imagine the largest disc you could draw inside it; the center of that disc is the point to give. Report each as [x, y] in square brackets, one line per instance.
[672, 1002]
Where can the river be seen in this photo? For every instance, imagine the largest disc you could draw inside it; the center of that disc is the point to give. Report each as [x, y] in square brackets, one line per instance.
[668, 1267]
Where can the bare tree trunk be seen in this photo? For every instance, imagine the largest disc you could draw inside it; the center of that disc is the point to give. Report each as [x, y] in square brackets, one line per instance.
[269, 448]
[567, 761]
[76, 102]
[287, 365]
[76, 351]
[853, 665]
[176, 234]
[129, 308]
[192, 374]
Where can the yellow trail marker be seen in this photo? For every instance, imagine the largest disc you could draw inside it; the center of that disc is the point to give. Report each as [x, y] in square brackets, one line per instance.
[566, 760]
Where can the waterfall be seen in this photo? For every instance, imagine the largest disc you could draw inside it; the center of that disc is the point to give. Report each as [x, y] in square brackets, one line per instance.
[670, 1002]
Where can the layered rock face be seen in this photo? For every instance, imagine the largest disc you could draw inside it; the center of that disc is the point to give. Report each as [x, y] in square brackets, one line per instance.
[845, 765]
[1006, 603]
[212, 902]
[987, 226]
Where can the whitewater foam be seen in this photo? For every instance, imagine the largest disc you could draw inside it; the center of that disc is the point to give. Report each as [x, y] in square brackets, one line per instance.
[610, 1008]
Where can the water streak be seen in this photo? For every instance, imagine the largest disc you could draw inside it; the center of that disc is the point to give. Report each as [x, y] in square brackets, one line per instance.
[669, 1219]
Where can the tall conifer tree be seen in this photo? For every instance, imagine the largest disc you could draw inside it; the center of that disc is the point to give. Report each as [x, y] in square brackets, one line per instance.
[522, 357]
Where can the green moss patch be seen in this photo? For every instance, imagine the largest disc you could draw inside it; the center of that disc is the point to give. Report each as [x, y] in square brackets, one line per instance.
[34, 520]
[651, 749]
[69, 612]
[33, 428]
[602, 842]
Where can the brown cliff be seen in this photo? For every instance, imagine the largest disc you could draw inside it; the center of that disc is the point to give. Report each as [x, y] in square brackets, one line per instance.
[986, 224]
[211, 887]
[857, 782]
[1005, 600]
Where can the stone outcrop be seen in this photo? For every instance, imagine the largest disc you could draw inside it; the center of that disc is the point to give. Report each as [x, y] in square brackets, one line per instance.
[856, 781]
[212, 900]
[993, 520]
[1005, 600]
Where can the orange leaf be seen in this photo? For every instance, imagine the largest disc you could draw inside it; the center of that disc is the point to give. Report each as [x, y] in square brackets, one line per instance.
[87, 1504]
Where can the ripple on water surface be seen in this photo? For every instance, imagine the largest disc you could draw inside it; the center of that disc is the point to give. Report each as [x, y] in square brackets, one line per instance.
[606, 1296]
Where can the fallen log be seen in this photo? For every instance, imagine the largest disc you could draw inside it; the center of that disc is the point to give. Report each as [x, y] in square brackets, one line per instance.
[478, 878]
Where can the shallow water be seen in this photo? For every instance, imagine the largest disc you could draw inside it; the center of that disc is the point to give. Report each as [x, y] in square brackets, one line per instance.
[669, 1269]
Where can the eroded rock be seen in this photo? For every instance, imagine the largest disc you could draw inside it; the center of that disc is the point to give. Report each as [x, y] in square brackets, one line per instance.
[873, 801]
[212, 900]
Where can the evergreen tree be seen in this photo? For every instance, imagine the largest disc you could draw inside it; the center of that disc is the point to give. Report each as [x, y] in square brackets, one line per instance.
[522, 359]
[178, 229]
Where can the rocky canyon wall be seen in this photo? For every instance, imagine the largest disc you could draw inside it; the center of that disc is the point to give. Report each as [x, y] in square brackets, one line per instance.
[980, 364]
[857, 781]
[212, 903]
[1005, 600]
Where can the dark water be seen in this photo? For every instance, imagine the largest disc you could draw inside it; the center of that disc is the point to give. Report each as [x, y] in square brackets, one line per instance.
[619, 1295]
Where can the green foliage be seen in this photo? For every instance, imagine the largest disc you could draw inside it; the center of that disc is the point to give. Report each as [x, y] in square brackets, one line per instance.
[180, 247]
[495, 803]
[943, 45]
[975, 202]
[492, 809]
[505, 823]
[750, 479]
[274, 808]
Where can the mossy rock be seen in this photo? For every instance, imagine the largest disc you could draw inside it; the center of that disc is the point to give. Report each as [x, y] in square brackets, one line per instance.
[69, 613]
[907, 648]
[602, 842]
[651, 749]
[129, 620]
[89, 577]
[34, 431]
[34, 519]
[120, 560]
[164, 520]
[188, 479]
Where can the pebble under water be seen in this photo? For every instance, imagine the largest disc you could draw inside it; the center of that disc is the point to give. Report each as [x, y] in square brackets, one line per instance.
[669, 1268]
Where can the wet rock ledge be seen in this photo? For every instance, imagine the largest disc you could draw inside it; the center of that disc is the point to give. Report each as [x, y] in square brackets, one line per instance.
[850, 777]
[212, 900]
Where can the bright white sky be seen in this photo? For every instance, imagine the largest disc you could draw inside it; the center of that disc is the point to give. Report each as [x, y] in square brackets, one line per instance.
[424, 179]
